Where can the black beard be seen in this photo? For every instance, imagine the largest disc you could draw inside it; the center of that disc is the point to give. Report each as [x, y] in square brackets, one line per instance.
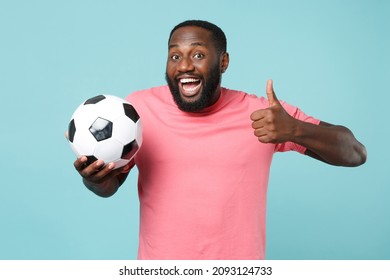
[206, 96]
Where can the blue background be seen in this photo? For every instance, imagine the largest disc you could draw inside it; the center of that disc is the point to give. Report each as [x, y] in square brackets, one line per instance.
[330, 58]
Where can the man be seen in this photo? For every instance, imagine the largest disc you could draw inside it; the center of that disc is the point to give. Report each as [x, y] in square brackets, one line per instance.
[206, 154]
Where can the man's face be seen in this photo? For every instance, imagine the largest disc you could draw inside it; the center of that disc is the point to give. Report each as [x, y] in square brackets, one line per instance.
[194, 68]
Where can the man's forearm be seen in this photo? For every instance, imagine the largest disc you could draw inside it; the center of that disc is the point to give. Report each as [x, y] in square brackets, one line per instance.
[331, 143]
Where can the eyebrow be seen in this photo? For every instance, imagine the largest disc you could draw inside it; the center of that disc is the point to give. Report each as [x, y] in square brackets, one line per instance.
[192, 45]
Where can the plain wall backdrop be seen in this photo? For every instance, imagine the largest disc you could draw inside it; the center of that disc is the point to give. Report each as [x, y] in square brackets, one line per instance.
[330, 58]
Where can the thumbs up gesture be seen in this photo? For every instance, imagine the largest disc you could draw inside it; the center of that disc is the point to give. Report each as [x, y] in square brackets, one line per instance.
[273, 124]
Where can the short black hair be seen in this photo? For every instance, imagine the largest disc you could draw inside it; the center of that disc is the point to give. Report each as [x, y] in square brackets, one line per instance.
[217, 33]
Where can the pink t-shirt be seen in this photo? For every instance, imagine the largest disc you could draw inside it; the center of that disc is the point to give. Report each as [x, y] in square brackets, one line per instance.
[203, 177]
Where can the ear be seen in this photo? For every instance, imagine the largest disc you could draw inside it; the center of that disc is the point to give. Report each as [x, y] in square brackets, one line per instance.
[224, 62]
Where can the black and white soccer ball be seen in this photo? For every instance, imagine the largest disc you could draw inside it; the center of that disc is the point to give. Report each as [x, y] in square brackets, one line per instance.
[105, 127]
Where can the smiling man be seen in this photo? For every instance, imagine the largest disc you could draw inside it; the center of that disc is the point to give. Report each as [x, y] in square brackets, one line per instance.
[196, 60]
[206, 154]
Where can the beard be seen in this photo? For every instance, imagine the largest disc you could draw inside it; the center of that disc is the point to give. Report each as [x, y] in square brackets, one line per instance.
[210, 85]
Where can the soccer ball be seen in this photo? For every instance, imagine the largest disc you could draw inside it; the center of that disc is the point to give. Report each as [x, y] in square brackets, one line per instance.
[105, 127]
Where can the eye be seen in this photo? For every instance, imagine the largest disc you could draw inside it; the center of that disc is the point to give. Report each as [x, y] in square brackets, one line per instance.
[175, 57]
[198, 56]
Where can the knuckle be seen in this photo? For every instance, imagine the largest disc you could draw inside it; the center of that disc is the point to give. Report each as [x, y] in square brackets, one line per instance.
[271, 127]
[270, 117]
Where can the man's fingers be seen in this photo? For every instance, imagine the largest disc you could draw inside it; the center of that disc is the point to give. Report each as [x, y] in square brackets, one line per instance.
[101, 172]
[91, 169]
[96, 171]
[80, 163]
[258, 115]
[271, 96]
[257, 124]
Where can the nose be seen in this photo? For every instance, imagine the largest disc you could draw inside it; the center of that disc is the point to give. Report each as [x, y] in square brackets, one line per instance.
[186, 65]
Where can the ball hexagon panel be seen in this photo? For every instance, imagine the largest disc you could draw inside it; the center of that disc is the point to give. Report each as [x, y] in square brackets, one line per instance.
[124, 130]
[139, 132]
[84, 116]
[109, 150]
[83, 142]
[110, 108]
[120, 163]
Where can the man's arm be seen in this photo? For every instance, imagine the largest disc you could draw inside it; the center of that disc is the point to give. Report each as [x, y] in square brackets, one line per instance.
[332, 144]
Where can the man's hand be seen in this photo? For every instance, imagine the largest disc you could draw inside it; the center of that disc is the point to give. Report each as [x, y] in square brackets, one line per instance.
[333, 144]
[273, 124]
[96, 172]
[102, 179]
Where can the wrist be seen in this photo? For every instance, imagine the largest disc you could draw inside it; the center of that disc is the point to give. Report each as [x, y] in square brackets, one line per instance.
[295, 131]
[300, 131]
[103, 189]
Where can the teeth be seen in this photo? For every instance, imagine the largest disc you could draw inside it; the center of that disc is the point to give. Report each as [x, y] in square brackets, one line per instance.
[188, 80]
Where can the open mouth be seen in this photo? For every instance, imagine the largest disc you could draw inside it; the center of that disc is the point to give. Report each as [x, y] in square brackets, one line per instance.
[190, 87]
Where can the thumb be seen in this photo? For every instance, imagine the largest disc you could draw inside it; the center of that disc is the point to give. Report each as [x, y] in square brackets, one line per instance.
[271, 96]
